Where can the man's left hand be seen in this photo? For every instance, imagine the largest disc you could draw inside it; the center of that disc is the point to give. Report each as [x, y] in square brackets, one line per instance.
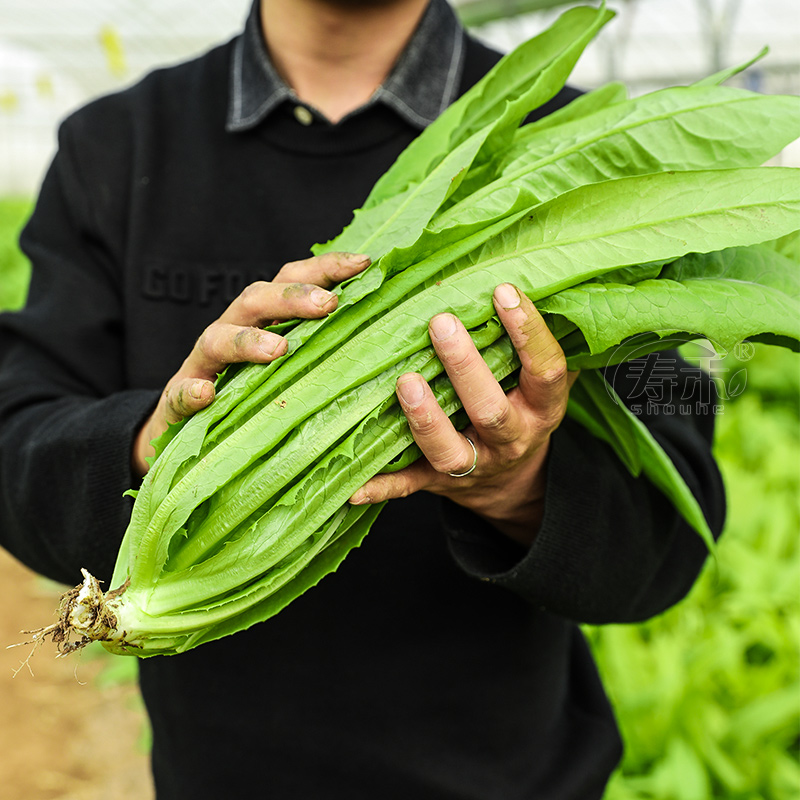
[510, 432]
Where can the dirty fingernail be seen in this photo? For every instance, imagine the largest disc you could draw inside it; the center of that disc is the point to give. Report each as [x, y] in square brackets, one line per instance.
[507, 296]
[443, 326]
[321, 298]
[196, 390]
[357, 259]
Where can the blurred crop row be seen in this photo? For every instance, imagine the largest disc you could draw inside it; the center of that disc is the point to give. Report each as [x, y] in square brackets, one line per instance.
[708, 694]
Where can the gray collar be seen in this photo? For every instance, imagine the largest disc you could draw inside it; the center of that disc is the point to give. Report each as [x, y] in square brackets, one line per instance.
[423, 83]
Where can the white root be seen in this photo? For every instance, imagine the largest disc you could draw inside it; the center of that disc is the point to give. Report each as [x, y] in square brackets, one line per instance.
[85, 612]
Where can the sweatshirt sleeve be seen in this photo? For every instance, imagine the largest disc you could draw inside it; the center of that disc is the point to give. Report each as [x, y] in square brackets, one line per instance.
[611, 547]
[67, 418]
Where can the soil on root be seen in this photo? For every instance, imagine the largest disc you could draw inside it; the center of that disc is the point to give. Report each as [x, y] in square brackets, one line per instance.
[65, 732]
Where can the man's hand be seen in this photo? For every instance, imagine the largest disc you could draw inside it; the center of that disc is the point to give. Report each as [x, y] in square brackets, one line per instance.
[510, 432]
[299, 290]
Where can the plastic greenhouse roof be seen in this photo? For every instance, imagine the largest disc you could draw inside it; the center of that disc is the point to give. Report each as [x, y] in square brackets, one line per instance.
[56, 54]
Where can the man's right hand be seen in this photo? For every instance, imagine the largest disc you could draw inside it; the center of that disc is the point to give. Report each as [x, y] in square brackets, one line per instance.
[299, 290]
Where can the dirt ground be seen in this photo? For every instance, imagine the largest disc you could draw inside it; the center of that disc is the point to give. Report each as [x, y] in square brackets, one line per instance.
[75, 728]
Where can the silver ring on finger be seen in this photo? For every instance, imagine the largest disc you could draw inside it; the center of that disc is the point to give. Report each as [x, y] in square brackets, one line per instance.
[474, 462]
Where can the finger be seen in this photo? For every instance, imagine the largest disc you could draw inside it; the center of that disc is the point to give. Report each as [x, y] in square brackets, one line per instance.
[263, 301]
[186, 397]
[325, 270]
[222, 343]
[544, 376]
[390, 486]
[443, 446]
[484, 400]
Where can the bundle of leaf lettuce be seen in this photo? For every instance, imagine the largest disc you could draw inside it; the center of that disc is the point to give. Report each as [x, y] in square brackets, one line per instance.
[630, 223]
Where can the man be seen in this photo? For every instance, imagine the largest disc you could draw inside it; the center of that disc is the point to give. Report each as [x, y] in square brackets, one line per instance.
[443, 659]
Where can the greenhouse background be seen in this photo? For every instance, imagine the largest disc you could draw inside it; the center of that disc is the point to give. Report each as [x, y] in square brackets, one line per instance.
[56, 54]
[708, 694]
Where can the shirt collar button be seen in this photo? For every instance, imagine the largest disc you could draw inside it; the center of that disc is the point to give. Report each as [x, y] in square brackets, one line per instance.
[303, 115]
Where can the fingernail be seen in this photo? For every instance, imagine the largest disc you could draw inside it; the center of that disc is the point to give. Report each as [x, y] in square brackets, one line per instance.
[360, 498]
[443, 326]
[357, 259]
[321, 298]
[411, 391]
[507, 296]
[196, 390]
[271, 345]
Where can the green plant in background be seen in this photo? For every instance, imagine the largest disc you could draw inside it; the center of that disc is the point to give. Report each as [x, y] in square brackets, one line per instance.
[14, 268]
[708, 694]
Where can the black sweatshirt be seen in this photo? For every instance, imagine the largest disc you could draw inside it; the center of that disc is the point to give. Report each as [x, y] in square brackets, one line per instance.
[440, 661]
